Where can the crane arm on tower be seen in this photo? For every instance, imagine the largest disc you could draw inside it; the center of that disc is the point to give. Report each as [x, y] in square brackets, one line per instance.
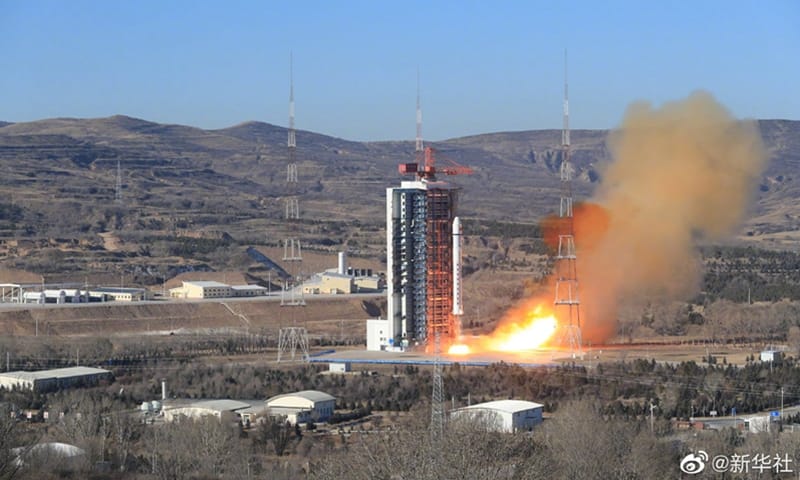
[426, 169]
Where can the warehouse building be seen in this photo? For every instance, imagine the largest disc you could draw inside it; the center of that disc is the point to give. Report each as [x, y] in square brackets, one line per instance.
[248, 290]
[299, 407]
[503, 415]
[201, 289]
[55, 379]
[120, 294]
[224, 410]
[329, 282]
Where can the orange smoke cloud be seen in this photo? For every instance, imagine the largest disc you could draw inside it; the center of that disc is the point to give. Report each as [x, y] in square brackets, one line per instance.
[682, 172]
[590, 224]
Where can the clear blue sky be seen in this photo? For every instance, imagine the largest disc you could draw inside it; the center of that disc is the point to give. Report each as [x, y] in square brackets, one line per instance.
[484, 66]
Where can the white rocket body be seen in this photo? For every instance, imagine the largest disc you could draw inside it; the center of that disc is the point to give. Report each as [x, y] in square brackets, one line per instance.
[458, 308]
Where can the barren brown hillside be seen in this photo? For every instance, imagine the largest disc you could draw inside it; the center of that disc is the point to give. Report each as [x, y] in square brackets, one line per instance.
[323, 317]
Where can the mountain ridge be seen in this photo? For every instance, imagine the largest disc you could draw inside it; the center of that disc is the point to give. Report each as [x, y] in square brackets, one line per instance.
[60, 175]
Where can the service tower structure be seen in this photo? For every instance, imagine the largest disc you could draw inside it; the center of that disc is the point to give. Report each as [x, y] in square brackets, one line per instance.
[420, 263]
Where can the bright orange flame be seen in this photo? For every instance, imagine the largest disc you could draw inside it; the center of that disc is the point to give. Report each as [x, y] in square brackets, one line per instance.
[524, 328]
[527, 335]
[458, 349]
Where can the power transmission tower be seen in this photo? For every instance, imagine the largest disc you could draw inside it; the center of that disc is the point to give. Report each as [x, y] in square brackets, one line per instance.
[437, 396]
[293, 338]
[567, 302]
[118, 186]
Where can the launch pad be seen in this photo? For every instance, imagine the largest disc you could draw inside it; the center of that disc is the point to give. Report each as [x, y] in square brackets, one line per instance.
[672, 353]
[528, 359]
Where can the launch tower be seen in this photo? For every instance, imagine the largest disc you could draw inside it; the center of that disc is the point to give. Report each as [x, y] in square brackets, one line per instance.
[422, 232]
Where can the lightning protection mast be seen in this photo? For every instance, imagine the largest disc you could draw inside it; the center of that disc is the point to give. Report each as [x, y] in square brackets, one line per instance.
[292, 338]
[567, 303]
[118, 186]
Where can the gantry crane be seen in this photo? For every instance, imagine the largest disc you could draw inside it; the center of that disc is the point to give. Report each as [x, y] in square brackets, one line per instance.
[427, 170]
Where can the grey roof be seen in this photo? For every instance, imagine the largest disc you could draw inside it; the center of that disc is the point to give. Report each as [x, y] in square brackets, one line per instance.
[62, 449]
[205, 283]
[54, 373]
[310, 395]
[255, 408]
[507, 406]
[223, 405]
[248, 287]
[117, 290]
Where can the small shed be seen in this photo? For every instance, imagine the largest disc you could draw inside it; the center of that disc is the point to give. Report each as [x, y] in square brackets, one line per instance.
[771, 355]
[339, 367]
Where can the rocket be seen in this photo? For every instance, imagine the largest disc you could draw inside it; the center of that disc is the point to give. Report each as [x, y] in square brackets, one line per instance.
[457, 306]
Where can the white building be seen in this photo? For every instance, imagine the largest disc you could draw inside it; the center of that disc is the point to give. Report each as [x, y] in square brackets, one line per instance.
[248, 290]
[503, 415]
[317, 405]
[48, 380]
[379, 334]
[221, 409]
[339, 367]
[771, 355]
[120, 294]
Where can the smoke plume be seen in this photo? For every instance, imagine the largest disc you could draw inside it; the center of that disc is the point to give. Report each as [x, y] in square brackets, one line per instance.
[680, 173]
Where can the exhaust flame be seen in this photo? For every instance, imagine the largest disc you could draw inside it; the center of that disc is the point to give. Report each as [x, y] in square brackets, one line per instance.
[459, 349]
[529, 334]
[523, 329]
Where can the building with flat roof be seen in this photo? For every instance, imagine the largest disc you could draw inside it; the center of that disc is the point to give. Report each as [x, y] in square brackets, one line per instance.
[200, 289]
[224, 409]
[330, 282]
[503, 415]
[120, 294]
[248, 290]
[54, 379]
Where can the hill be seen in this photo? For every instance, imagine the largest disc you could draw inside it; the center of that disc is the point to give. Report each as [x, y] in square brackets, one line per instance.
[193, 198]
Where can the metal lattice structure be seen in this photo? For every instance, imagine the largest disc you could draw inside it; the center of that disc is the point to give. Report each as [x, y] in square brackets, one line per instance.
[567, 301]
[420, 217]
[292, 252]
[437, 395]
[441, 204]
[290, 341]
[118, 186]
[293, 338]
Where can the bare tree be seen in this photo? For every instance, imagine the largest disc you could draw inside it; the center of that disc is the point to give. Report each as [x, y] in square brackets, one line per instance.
[10, 439]
[172, 451]
[125, 431]
[215, 442]
[277, 431]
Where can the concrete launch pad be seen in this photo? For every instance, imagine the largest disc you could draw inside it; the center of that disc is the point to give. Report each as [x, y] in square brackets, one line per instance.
[672, 353]
[537, 358]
